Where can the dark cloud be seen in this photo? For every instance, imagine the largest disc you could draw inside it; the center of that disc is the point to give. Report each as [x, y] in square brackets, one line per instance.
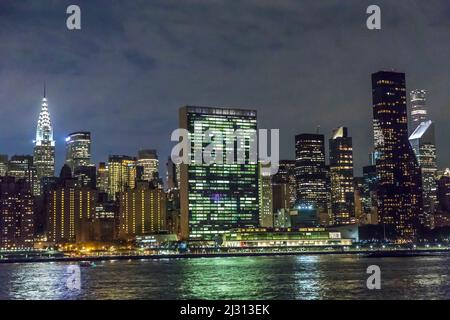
[301, 64]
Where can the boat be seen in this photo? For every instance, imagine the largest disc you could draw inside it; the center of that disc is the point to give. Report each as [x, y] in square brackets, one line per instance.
[87, 264]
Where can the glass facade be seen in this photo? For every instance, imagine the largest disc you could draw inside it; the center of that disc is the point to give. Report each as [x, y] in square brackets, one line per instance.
[341, 175]
[218, 197]
[311, 173]
[399, 189]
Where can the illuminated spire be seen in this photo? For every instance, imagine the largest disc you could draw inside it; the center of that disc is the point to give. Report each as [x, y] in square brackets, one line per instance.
[44, 131]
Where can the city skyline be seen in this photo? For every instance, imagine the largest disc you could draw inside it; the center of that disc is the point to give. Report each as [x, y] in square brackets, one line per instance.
[138, 92]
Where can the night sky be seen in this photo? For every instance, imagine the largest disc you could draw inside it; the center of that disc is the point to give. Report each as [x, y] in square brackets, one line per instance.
[300, 64]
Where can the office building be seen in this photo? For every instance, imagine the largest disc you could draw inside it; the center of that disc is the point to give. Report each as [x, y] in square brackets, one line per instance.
[148, 160]
[265, 197]
[341, 177]
[419, 111]
[422, 141]
[16, 214]
[141, 211]
[218, 197]
[121, 174]
[44, 145]
[78, 150]
[399, 189]
[311, 173]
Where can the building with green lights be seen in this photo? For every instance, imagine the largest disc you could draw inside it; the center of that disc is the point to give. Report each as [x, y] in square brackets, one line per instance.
[284, 237]
[215, 198]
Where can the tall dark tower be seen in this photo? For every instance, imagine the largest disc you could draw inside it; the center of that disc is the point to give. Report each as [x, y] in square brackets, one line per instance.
[399, 180]
[341, 174]
[311, 173]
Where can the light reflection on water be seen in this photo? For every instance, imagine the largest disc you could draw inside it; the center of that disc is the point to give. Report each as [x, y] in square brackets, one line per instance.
[275, 277]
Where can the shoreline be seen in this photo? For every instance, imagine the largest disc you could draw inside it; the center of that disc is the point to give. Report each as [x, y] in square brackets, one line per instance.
[365, 253]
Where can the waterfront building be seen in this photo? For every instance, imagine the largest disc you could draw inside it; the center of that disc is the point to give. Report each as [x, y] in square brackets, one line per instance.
[78, 150]
[69, 205]
[148, 160]
[341, 176]
[311, 174]
[423, 143]
[16, 214]
[121, 174]
[265, 197]
[141, 211]
[218, 197]
[399, 184]
[44, 145]
[291, 237]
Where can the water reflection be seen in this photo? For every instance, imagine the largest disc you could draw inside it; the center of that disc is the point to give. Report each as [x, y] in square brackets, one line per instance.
[275, 277]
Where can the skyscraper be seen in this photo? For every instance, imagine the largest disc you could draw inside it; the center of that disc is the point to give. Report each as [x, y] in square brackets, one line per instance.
[444, 192]
[418, 108]
[16, 214]
[44, 145]
[121, 174]
[78, 150]
[265, 197]
[148, 160]
[423, 143]
[172, 175]
[102, 177]
[399, 180]
[311, 173]
[69, 205]
[142, 210]
[284, 186]
[341, 174]
[217, 197]
[3, 164]
[21, 167]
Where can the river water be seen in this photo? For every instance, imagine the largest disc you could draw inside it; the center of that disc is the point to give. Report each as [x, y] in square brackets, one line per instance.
[272, 277]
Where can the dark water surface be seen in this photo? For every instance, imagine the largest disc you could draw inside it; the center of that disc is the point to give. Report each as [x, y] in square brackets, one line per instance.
[274, 277]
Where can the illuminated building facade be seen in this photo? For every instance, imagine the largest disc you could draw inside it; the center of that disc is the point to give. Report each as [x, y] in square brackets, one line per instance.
[290, 237]
[341, 175]
[44, 145]
[423, 143]
[21, 167]
[419, 112]
[69, 206]
[142, 211]
[265, 197]
[311, 173]
[121, 174]
[3, 164]
[218, 197]
[399, 180]
[102, 177]
[284, 186]
[78, 150]
[444, 192]
[16, 214]
[148, 160]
